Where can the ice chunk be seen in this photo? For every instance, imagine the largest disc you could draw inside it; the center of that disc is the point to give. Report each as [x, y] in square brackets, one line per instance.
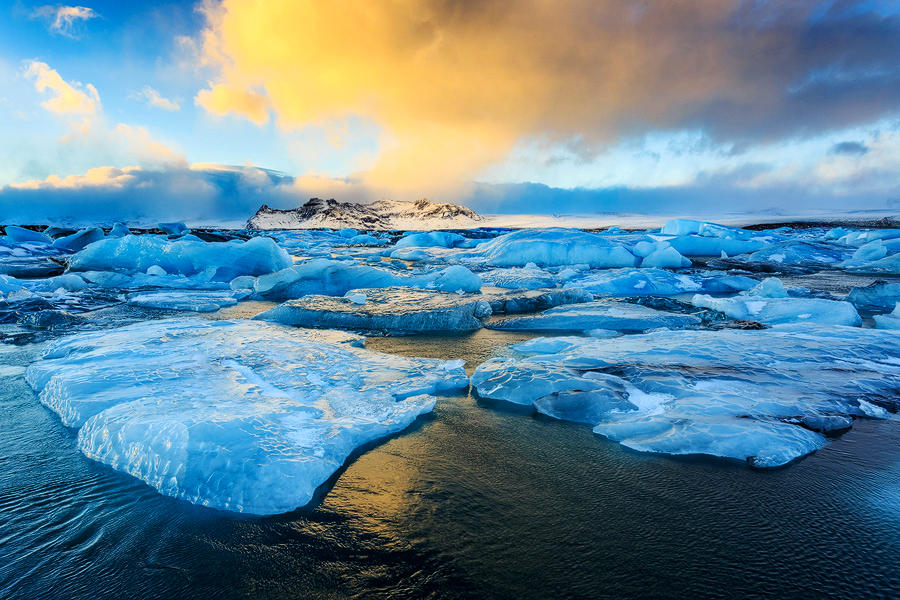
[878, 296]
[770, 287]
[173, 228]
[156, 270]
[755, 395]
[552, 247]
[889, 321]
[336, 278]
[520, 301]
[798, 252]
[237, 415]
[356, 297]
[77, 241]
[20, 234]
[395, 309]
[888, 265]
[773, 311]
[196, 301]
[137, 253]
[441, 239]
[618, 316]
[119, 230]
[637, 282]
[695, 245]
[529, 277]
[665, 257]
[348, 232]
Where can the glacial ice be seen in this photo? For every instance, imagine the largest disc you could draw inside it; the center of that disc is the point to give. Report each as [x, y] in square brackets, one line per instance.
[656, 282]
[336, 278]
[520, 301]
[889, 321]
[551, 247]
[618, 316]
[441, 239]
[137, 253]
[876, 297]
[173, 228]
[20, 234]
[392, 309]
[78, 240]
[774, 311]
[762, 396]
[238, 415]
[665, 257]
[190, 300]
[528, 277]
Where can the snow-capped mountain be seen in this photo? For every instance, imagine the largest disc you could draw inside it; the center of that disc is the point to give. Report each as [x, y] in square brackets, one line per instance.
[379, 215]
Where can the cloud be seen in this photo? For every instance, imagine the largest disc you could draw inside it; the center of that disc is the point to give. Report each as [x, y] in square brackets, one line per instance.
[223, 99]
[64, 20]
[154, 99]
[68, 98]
[455, 85]
[850, 148]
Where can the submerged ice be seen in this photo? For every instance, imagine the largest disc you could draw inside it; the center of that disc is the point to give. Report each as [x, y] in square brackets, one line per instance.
[245, 416]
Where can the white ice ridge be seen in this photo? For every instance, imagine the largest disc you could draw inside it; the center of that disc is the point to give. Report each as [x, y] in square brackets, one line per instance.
[245, 416]
[764, 396]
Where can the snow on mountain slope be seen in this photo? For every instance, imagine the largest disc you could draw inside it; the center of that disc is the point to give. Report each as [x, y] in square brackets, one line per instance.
[382, 214]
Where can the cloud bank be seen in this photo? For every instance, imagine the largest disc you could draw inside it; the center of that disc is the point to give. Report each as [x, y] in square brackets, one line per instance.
[455, 84]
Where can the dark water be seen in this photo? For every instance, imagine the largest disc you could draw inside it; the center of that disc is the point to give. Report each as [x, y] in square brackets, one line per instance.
[476, 501]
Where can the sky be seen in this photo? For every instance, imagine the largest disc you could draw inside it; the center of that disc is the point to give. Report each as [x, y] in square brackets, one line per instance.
[143, 110]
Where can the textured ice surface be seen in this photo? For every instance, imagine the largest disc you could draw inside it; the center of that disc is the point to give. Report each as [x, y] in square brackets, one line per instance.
[665, 257]
[238, 415]
[657, 282]
[137, 253]
[760, 396]
[20, 234]
[395, 309]
[519, 301]
[619, 316]
[78, 240]
[773, 311]
[528, 277]
[191, 300]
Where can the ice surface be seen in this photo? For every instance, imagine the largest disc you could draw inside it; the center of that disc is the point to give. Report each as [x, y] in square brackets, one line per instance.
[441, 239]
[528, 277]
[665, 257]
[773, 311]
[394, 309]
[239, 415]
[119, 230]
[173, 228]
[760, 396]
[618, 316]
[888, 265]
[190, 300]
[552, 247]
[137, 253]
[656, 282]
[520, 301]
[695, 245]
[889, 321]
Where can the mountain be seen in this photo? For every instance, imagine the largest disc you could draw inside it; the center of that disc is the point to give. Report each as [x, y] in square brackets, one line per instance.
[380, 215]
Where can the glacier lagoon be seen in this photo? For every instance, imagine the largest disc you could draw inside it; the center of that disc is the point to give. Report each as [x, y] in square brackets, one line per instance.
[478, 496]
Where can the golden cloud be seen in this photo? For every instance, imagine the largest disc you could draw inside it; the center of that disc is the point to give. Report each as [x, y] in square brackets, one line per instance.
[455, 84]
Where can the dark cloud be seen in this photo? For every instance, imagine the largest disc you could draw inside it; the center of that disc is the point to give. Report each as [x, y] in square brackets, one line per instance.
[850, 148]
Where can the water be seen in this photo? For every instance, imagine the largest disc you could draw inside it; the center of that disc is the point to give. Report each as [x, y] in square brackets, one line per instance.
[477, 500]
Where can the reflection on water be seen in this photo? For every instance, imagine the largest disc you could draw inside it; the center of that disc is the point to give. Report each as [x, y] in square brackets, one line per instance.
[476, 500]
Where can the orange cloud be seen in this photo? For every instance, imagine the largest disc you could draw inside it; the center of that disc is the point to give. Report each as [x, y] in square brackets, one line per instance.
[455, 84]
[68, 98]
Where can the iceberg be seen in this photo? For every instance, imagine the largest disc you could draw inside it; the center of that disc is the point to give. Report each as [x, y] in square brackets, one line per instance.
[520, 301]
[764, 397]
[624, 283]
[77, 241]
[889, 321]
[616, 316]
[137, 253]
[17, 234]
[528, 277]
[393, 309]
[551, 247]
[876, 297]
[440, 239]
[665, 257]
[243, 416]
[173, 228]
[774, 311]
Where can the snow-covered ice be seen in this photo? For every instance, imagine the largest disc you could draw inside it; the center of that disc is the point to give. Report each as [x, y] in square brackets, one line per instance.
[245, 416]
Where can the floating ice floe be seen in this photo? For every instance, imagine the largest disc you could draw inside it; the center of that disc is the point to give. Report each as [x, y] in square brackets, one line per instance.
[17, 234]
[528, 277]
[190, 300]
[774, 311]
[78, 240]
[520, 301]
[876, 297]
[336, 278]
[617, 316]
[393, 309]
[245, 416]
[765, 397]
[657, 282]
[889, 321]
[551, 247]
[137, 253]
